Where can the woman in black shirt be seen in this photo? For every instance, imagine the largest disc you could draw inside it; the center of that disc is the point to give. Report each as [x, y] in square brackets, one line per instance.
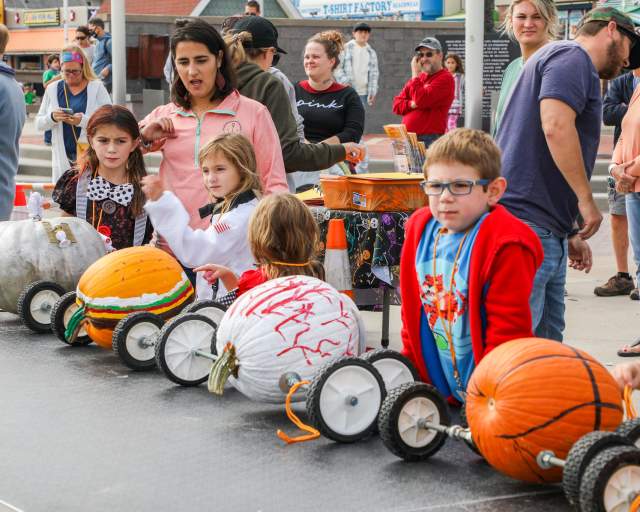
[332, 112]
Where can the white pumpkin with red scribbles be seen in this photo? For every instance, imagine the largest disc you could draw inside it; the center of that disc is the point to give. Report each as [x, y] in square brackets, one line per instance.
[290, 324]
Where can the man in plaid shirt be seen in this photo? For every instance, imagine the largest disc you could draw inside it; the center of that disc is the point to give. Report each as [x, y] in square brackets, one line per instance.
[358, 68]
[359, 65]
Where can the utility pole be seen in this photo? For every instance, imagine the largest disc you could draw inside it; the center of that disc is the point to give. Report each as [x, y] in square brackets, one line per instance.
[474, 46]
[118, 52]
[65, 21]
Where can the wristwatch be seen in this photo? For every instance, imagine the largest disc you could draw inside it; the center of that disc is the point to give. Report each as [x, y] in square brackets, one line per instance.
[610, 168]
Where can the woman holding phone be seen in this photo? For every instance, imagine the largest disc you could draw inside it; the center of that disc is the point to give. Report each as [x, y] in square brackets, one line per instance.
[67, 106]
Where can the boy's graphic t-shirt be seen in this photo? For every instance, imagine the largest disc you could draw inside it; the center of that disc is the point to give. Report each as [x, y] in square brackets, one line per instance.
[445, 306]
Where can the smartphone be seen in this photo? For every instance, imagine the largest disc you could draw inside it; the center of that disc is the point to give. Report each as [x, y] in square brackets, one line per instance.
[67, 111]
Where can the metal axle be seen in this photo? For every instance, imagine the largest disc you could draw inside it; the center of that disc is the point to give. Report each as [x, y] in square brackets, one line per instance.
[287, 381]
[206, 355]
[454, 431]
[546, 459]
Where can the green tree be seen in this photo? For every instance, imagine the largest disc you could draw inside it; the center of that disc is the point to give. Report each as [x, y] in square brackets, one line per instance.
[489, 9]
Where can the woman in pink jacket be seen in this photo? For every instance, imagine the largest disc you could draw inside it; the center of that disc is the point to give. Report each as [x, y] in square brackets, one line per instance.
[204, 104]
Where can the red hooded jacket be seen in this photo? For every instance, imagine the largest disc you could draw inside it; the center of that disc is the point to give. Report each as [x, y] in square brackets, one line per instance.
[505, 256]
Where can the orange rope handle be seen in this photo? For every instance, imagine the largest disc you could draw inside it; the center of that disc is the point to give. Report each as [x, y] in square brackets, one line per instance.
[635, 505]
[629, 408]
[312, 432]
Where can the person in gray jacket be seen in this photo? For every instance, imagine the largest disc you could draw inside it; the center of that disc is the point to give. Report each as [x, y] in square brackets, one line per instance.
[13, 113]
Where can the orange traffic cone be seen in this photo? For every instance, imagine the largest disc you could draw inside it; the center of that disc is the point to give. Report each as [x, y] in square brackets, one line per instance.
[336, 258]
[20, 199]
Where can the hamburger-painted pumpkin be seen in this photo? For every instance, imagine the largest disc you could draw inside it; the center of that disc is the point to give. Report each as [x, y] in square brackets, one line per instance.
[290, 324]
[533, 394]
[128, 281]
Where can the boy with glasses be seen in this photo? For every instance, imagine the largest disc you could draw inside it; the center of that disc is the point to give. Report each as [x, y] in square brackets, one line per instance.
[467, 265]
[425, 99]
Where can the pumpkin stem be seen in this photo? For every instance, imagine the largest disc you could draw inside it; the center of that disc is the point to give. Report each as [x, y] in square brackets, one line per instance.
[73, 327]
[225, 365]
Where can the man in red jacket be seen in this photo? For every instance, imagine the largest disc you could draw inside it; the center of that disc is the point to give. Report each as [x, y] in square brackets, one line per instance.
[425, 99]
[467, 265]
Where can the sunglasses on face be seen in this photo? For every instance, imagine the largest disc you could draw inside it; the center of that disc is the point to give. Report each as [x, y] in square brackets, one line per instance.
[80, 38]
[421, 55]
[276, 59]
[456, 188]
[71, 72]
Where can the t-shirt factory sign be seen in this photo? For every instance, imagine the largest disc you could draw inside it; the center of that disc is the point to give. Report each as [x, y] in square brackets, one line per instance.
[342, 9]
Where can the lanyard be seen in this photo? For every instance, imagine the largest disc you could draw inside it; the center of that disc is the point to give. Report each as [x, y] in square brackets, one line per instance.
[446, 322]
[66, 98]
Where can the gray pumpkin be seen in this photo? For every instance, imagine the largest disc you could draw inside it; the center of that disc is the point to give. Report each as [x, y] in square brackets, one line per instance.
[30, 251]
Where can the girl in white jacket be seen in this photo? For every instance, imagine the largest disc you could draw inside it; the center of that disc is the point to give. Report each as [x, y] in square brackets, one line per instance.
[229, 172]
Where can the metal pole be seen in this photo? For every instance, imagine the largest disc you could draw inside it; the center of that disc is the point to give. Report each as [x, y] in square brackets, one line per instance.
[474, 45]
[65, 21]
[119, 52]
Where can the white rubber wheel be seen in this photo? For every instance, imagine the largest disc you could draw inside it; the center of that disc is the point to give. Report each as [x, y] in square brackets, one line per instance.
[177, 343]
[344, 399]
[621, 488]
[135, 338]
[395, 368]
[412, 413]
[209, 308]
[36, 303]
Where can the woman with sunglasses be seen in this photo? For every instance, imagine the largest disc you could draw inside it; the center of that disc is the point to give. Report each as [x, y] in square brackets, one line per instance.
[83, 40]
[67, 106]
[532, 23]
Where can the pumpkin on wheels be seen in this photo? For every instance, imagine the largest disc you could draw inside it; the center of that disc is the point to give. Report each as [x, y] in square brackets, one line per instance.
[43, 260]
[301, 331]
[533, 395]
[125, 297]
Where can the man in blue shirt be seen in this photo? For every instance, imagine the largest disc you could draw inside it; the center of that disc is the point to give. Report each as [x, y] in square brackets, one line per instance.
[102, 53]
[549, 137]
[13, 113]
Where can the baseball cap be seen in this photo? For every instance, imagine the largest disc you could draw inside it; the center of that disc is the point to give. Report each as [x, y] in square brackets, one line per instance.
[429, 42]
[361, 26]
[625, 25]
[264, 33]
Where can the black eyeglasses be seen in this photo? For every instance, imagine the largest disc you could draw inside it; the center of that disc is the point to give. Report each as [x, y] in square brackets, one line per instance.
[276, 59]
[424, 54]
[456, 187]
[80, 38]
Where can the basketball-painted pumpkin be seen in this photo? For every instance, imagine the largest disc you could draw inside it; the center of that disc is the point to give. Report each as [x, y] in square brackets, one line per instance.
[290, 324]
[127, 281]
[31, 252]
[532, 394]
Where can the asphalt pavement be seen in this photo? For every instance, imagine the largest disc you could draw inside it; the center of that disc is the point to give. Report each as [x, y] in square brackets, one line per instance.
[80, 432]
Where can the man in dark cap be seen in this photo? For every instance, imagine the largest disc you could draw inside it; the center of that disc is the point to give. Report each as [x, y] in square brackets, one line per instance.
[549, 137]
[425, 99]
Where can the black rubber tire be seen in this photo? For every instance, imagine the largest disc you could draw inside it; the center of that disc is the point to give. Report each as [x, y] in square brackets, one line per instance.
[314, 393]
[57, 321]
[631, 430]
[598, 472]
[390, 413]
[374, 356]
[581, 454]
[24, 301]
[119, 340]
[161, 361]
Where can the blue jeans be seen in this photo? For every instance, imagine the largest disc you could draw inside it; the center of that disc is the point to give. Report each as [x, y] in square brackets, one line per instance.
[547, 295]
[632, 203]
